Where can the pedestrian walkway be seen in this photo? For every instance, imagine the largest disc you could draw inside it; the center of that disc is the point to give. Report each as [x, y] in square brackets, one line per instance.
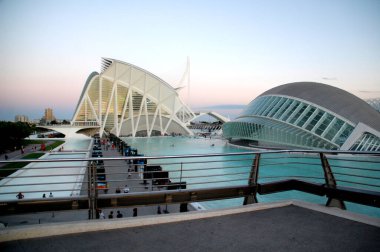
[18, 154]
[20, 220]
[121, 174]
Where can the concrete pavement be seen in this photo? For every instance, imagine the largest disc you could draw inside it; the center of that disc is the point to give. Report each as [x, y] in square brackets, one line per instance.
[258, 227]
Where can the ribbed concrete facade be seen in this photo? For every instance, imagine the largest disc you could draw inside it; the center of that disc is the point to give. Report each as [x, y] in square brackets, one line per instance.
[129, 101]
[308, 115]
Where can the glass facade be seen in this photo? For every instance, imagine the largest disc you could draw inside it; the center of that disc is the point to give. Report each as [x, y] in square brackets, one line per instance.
[367, 142]
[289, 121]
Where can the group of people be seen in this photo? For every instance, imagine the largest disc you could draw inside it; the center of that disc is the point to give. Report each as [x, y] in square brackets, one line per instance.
[118, 215]
[22, 151]
[50, 195]
[100, 214]
[20, 195]
[108, 144]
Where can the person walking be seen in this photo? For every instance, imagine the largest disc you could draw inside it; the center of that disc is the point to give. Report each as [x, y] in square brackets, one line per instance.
[134, 212]
[126, 189]
[101, 215]
[51, 195]
[119, 215]
[20, 195]
[110, 216]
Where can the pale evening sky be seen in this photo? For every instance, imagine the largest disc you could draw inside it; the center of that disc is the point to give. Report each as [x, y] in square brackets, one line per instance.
[237, 49]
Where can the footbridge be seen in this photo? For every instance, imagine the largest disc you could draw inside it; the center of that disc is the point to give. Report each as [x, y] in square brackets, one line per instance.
[216, 115]
[72, 130]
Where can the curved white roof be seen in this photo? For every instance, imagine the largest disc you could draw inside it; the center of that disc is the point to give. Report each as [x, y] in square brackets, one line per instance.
[334, 99]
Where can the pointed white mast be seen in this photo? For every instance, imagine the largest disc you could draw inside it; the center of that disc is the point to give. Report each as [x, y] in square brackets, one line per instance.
[188, 81]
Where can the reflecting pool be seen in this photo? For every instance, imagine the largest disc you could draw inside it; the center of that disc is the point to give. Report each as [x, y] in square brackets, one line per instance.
[272, 167]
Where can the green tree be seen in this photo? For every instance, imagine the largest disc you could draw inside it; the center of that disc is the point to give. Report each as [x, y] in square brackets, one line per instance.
[12, 134]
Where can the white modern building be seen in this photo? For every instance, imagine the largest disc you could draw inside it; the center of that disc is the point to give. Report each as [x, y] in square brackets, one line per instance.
[307, 115]
[126, 100]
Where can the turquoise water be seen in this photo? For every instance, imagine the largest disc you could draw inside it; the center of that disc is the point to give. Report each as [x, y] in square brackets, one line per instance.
[77, 144]
[235, 170]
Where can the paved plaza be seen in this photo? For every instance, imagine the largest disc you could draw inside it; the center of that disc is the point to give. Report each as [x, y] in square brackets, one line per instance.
[282, 228]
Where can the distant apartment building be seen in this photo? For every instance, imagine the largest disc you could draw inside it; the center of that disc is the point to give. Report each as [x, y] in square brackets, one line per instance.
[49, 114]
[21, 118]
[48, 117]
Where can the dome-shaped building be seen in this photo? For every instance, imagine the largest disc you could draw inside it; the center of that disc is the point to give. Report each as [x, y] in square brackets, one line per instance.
[307, 115]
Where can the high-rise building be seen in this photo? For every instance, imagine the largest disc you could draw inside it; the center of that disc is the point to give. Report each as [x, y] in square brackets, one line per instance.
[21, 118]
[49, 116]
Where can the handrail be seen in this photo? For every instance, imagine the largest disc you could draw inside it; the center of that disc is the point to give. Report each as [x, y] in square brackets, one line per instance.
[205, 176]
[193, 156]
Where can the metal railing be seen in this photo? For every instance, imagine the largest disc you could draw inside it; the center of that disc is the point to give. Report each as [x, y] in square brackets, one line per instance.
[89, 183]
